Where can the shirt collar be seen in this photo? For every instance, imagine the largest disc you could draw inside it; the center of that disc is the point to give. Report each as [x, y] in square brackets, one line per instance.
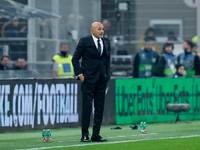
[95, 39]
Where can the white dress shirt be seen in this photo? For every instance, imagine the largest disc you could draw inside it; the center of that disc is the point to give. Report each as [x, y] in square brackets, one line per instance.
[96, 43]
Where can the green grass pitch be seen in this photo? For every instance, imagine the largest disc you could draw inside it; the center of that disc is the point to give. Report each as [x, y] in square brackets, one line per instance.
[160, 136]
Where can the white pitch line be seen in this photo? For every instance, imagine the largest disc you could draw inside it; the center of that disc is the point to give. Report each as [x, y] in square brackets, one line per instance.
[121, 136]
[153, 133]
[97, 143]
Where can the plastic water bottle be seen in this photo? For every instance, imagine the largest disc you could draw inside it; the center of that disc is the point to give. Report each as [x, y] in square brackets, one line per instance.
[141, 127]
[48, 135]
[145, 127]
[44, 136]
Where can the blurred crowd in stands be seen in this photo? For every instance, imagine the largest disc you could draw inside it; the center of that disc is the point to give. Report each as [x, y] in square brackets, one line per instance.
[149, 60]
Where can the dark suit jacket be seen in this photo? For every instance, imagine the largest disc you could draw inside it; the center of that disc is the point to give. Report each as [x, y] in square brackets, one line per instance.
[93, 65]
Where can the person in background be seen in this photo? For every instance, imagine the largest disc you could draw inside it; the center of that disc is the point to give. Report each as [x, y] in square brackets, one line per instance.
[195, 47]
[146, 61]
[4, 64]
[106, 23]
[15, 29]
[94, 73]
[166, 64]
[20, 64]
[70, 29]
[65, 67]
[189, 59]
[180, 71]
[149, 33]
[171, 37]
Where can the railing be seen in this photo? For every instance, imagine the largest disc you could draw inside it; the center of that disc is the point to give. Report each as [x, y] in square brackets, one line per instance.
[28, 74]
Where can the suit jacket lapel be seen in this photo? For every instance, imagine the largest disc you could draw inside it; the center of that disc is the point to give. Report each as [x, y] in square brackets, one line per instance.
[105, 46]
[92, 41]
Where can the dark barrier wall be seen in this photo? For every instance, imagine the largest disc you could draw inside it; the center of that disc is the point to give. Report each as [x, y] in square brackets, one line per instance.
[47, 103]
[145, 99]
[56, 103]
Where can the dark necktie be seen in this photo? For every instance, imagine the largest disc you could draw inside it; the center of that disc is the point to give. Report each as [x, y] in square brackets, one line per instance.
[99, 46]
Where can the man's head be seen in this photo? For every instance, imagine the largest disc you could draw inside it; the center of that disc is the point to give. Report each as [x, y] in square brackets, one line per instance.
[21, 63]
[64, 47]
[171, 36]
[5, 60]
[180, 68]
[71, 19]
[97, 29]
[150, 32]
[168, 48]
[194, 47]
[106, 23]
[15, 22]
[187, 46]
[149, 41]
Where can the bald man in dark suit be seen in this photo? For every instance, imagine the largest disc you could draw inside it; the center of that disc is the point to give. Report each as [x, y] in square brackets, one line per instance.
[94, 73]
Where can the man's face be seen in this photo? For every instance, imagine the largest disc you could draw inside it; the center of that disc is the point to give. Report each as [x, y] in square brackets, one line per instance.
[168, 49]
[64, 48]
[149, 47]
[15, 23]
[186, 47]
[194, 49]
[106, 25]
[150, 34]
[21, 63]
[181, 70]
[97, 29]
[5, 62]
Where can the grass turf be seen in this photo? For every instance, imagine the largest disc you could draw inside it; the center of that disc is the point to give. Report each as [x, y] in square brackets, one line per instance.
[160, 136]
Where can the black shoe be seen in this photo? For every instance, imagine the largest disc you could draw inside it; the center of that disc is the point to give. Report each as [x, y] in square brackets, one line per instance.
[85, 138]
[98, 138]
[135, 127]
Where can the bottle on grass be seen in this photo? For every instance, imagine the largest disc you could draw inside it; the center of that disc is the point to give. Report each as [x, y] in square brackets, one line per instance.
[48, 135]
[44, 136]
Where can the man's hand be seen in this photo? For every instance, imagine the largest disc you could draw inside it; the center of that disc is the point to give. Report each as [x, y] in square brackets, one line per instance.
[81, 77]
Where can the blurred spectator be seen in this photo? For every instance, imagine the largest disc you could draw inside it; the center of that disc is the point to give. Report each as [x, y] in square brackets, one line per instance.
[189, 59]
[44, 27]
[20, 64]
[65, 67]
[150, 32]
[73, 33]
[14, 29]
[106, 23]
[5, 62]
[70, 23]
[171, 37]
[195, 47]
[180, 71]
[146, 61]
[166, 64]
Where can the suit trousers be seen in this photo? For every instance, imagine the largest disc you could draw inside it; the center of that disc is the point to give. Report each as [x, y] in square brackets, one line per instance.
[92, 91]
